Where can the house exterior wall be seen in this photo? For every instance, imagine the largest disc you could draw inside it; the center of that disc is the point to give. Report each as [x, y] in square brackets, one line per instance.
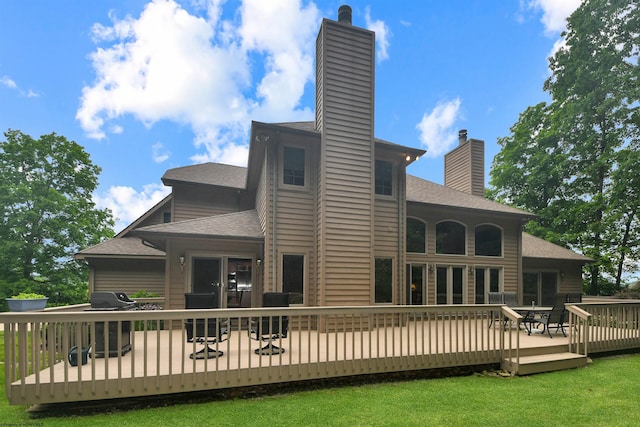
[127, 275]
[569, 273]
[508, 262]
[345, 110]
[197, 201]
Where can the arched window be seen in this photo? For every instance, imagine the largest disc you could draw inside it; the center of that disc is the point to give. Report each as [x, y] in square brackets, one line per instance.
[450, 238]
[488, 240]
[416, 236]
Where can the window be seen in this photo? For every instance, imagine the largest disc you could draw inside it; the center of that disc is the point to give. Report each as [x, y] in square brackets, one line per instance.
[416, 294]
[384, 178]
[166, 217]
[487, 280]
[384, 281]
[488, 240]
[293, 277]
[293, 166]
[416, 236]
[540, 287]
[450, 238]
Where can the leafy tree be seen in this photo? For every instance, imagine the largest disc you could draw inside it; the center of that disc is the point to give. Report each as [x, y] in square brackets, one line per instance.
[46, 216]
[572, 160]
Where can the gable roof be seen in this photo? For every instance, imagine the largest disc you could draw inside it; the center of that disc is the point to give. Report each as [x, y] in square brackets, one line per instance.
[161, 204]
[121, 246]
[422, 191]
[217, 174]
[535, 247]
[238, 225]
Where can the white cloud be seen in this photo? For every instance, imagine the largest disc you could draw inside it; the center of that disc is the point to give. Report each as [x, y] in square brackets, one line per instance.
[383, 34]
[555, 13]
[11, 84]
[8, 82]
[169, 64]
[436, 132]
[159, 153]
[127, 204]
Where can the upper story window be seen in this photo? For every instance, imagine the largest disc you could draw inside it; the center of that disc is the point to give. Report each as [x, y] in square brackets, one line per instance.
[416, 236]
[166, 217]
[293, 166]
[384, 178]
[450, 238]
[488, 240]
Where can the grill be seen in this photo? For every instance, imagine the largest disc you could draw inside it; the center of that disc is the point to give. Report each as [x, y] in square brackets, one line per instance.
[112, 301]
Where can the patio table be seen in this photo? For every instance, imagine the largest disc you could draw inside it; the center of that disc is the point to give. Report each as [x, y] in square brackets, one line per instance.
[530, 313]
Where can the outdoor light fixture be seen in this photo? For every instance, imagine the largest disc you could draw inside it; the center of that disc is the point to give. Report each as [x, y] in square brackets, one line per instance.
[259, 262]
[408, 158]
[431, 268]
[181, 259]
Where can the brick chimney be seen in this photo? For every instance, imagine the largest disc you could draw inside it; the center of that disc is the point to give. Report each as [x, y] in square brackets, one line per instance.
[464, 165]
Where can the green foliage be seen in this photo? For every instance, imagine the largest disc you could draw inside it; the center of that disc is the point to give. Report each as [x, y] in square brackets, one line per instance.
[574, 160]
[144, 294]
[47, 215]
[28, 295]
[598, 395]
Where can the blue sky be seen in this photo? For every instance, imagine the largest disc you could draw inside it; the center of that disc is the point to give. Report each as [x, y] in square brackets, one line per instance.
[146, 86]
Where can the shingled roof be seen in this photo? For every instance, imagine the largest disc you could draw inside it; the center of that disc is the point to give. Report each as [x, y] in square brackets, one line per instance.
[535, 247]
[237, 225]
[217, 174]
[422, 191]
[129, 246]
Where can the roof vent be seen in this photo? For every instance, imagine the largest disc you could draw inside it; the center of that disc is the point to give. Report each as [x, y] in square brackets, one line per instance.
[462, 136]
[344, 14]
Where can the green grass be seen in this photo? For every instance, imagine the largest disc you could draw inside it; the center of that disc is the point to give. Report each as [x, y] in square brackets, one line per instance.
[602, 394]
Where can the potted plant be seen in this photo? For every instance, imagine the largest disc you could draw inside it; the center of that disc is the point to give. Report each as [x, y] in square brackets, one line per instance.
[26, 301]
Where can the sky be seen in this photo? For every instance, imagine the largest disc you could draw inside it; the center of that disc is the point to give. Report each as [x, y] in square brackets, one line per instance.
[145, 86]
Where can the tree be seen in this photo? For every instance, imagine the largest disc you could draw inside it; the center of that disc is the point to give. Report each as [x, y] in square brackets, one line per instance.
[570, 160]
[47, 215]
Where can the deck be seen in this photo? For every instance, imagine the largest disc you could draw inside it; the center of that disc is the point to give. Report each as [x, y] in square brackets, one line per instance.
[321, 343]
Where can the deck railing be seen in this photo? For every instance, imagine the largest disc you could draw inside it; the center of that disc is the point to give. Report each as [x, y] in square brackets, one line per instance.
[321, 343]
[146, 352]
[612, 326]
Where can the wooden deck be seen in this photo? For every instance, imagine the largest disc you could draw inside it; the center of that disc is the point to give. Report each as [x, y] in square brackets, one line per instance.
[321, 343]
[166, 352]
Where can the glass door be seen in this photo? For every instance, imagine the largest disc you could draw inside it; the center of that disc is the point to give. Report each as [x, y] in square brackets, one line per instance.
[206, 274]
[450, 287]
[416, 284]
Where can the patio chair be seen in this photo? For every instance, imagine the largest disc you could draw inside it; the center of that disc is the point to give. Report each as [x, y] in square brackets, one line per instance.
[270, 328]
[205, 331]
[495, 298]
[557, 316]
[510, 299]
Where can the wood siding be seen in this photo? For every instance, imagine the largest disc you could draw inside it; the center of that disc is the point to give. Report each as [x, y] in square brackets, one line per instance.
[196, 201]
[345, 107]
[128, 275]
[464, 167]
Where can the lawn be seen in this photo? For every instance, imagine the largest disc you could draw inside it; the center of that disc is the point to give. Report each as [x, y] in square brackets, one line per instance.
[603, 394]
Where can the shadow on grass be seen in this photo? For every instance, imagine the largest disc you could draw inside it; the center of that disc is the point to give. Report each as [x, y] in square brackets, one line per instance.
[124, 405]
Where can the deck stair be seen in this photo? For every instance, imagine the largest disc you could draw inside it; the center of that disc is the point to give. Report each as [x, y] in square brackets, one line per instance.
[536, 360]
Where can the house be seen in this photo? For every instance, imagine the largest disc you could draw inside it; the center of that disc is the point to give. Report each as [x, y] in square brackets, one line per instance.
[327, 212]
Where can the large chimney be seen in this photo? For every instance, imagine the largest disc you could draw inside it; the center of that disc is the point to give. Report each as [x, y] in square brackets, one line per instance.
[464, 165]
[345, 67]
